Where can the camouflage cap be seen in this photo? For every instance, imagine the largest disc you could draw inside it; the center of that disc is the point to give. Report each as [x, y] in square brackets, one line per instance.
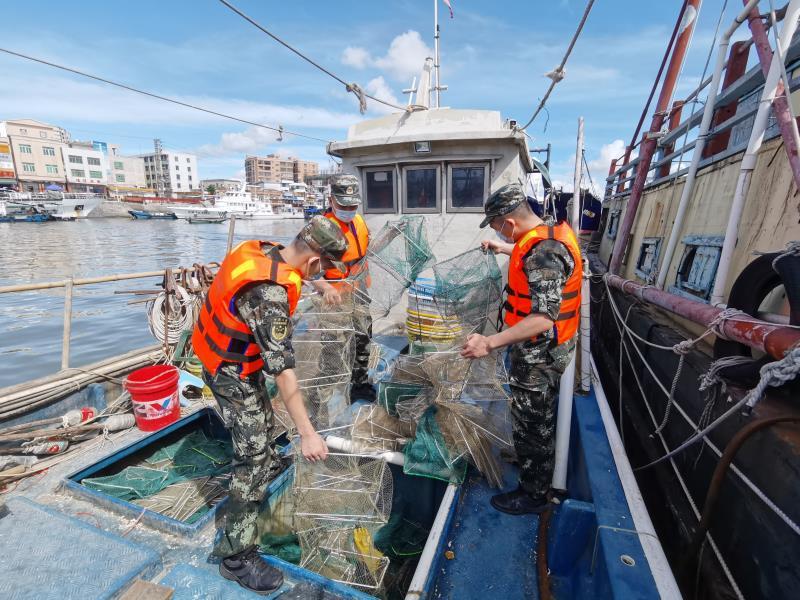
[324, 236]
[345, 189]
[502, 202]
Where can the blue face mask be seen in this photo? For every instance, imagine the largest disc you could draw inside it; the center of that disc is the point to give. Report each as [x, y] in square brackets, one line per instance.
[346, 216]
[503, 237]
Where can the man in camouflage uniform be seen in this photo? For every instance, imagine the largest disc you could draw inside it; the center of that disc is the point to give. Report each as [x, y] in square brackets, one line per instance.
[344, 202]
[264, 308]
[536, 364]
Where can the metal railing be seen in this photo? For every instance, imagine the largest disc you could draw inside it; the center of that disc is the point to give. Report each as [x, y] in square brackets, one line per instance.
[69, 286]
[620, 179]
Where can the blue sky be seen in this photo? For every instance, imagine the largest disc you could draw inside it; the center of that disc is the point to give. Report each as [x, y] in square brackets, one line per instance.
[494, 55]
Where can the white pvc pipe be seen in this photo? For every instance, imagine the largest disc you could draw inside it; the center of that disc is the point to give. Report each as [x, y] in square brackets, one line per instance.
[425, 564]
[344, 445]
[585, 323]
[751, 155]
[563, 426]
[700, 144]
[651, 545]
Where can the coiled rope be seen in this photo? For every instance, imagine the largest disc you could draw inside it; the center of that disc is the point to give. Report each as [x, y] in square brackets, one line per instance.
[180, 308]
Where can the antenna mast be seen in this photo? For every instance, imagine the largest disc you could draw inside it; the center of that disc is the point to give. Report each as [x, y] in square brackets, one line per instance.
[436, 50]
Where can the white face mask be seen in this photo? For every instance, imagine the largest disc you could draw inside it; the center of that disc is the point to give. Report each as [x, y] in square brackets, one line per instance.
[345, 216]
[503, 237]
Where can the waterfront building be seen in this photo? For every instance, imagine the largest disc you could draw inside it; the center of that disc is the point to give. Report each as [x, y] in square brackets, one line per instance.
[126, 175]
[85, 168]
[274, 169]
[8, 178]
[221, 185]
[35, 153]
[171, 173]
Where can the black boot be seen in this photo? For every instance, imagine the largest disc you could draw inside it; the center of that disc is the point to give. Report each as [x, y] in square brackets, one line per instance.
[520, 502]
[250, 571]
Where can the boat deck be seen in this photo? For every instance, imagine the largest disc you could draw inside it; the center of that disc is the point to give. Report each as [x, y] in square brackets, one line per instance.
[494, 554]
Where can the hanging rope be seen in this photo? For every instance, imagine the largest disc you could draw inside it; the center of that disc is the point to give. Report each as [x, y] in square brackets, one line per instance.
[350, 87]
[557, 75]
[156, 96]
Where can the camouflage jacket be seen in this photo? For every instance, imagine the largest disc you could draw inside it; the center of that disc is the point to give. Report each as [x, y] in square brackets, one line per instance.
[548, 265]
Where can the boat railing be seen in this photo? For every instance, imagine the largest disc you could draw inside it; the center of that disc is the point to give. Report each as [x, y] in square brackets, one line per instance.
[725, 138]
[68, 285]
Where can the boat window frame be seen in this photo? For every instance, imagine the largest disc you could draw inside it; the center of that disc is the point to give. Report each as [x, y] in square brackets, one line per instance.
[365, 194]
[648, 274]
[427, 166]
[613, 223]
[682, 286]
[487, 175]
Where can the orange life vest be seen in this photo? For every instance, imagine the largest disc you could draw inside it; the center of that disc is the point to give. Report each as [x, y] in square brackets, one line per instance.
[220, 335]
[518, 294]
[357, 236]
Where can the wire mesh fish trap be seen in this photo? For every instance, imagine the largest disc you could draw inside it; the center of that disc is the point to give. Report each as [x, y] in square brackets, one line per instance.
[397, 255]
[344, 554]
[374, 429]
[468, 289]
[339, 504]
[324, 347]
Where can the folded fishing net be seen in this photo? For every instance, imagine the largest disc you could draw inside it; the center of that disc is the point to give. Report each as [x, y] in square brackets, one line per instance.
[182, 480]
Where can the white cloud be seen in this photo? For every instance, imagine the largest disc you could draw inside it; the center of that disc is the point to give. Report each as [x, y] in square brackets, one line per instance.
[249, 141]
[380, 89]
[403, 59]
[355, 56]
[598, 167]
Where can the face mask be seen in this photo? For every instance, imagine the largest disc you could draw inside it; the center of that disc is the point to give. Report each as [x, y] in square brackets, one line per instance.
[502, 236]
[345, 216]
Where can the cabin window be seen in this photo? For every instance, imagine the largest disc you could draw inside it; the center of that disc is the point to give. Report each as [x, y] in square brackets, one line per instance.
[698, 267]
[421, 189]
[613, 223]
[379, 191]
[647, 262]
[469, 187]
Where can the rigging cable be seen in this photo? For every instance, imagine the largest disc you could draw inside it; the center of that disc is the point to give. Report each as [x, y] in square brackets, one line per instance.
[557, 74]
[351, 87]
[159, 97]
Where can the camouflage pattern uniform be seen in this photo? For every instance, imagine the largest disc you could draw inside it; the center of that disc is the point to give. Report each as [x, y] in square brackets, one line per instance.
[536, 368]
[247, 408]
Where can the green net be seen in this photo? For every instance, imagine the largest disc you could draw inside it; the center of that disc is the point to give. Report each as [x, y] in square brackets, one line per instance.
[286, 547]
[397, 255]
[182, 480]
[428, 454]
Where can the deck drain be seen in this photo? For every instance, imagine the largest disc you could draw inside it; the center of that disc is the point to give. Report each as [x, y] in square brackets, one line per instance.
[627, 560]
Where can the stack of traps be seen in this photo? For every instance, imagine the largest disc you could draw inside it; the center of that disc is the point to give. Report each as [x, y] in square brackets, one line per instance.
[339, 505]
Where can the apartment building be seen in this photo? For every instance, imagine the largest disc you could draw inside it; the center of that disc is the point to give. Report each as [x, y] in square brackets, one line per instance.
[274, 169]
[8, 178]
[221, 185]
[85, 168]
[36, 151]
[125, 174]
[178, 173]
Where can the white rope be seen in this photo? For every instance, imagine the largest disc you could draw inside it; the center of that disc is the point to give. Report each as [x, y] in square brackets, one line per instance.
[182, 313]
[702, 434]
[678, 476]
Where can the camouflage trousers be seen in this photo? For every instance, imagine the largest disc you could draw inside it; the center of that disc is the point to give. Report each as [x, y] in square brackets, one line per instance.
[535, 374]
[247, 412]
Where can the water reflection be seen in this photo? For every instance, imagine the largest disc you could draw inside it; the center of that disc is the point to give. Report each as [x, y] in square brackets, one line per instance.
[103, 323]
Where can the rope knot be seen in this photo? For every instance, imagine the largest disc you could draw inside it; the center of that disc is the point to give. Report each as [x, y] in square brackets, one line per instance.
[718, 324]
[556, 74]
[683, 348]
[362, 100]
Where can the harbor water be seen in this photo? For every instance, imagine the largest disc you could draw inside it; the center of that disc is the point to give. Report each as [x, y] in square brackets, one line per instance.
[103, 323]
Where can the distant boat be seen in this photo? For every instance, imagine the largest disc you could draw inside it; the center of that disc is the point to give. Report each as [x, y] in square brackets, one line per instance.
[311, 211]
[149, 214]
[20, 213]
[59, 206]
[206, 219]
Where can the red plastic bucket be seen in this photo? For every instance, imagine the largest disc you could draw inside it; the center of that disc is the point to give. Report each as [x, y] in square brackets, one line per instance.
[154, 395]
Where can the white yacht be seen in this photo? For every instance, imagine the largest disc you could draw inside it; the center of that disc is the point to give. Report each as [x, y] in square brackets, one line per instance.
[64, 206]
[243, 205]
